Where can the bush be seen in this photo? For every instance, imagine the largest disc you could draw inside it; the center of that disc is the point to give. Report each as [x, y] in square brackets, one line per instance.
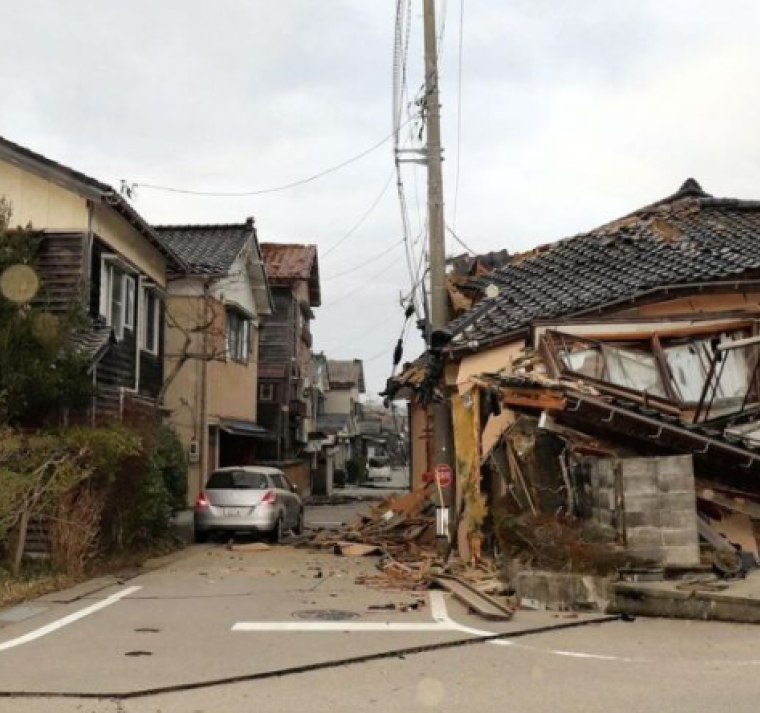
[46, 474]
[148, 490]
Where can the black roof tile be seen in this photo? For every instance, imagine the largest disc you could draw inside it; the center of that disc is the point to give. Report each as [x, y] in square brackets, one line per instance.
[687, 237]
[208, 249]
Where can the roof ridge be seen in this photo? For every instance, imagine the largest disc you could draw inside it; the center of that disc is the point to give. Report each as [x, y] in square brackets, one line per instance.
[199, 226]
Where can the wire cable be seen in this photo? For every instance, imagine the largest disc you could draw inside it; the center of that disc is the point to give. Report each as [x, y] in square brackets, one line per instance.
[363, 264]
[275, 189]
[363, 218]
[460, 241]
[364, 283]
[459, 111]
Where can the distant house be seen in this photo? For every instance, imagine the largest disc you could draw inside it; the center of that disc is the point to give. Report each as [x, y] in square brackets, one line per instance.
[99, 252]
[342, 410]
[285, 352]
[214, 314]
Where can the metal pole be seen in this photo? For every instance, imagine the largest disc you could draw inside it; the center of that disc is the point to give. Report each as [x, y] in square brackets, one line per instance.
[439, 305]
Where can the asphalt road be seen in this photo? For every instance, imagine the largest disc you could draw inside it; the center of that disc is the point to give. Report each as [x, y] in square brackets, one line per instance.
[212, 630]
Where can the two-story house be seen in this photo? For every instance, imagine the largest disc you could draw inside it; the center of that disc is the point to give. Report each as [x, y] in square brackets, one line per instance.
[97, 251]
[214, 312]
[285, 356]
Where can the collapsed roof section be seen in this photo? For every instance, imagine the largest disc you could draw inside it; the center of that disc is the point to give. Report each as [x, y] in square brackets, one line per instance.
[678, 243]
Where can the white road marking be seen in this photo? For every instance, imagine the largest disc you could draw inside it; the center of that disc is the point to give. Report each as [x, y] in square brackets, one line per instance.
[336, 626]
[442, 622]
[66, 620]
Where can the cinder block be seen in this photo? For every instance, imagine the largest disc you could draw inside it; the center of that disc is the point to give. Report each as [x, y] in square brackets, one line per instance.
[679, 538]
[644, 536]
[673, 502]
[688, 556]
[647, 554]
[679, 519]
[642, 503]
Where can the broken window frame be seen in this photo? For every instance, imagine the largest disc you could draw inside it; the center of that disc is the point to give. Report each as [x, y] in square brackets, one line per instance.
[554, 342]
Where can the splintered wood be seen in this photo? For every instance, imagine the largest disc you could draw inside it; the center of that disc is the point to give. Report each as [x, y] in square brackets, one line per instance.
[400, 531]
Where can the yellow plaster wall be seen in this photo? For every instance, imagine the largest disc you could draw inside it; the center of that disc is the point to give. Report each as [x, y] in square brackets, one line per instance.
[491, 360]
[121, 236]
[40, 202]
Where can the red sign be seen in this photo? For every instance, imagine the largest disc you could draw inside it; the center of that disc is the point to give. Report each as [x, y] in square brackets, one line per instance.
[428, 477]
[443, 475]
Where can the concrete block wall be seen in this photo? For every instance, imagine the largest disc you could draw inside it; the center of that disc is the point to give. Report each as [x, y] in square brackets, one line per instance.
[650, 503]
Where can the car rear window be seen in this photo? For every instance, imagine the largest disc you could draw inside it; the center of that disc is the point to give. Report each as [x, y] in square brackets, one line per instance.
[237, 480]
[378, 462]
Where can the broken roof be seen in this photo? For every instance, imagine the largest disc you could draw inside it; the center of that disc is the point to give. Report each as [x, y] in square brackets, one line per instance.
[689, 237]
[288, 263]
[86, 186]
[346, 372]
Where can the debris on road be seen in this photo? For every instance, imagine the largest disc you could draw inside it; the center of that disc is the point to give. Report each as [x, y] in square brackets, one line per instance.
[248, 547]
[474, 599]
[400, 532]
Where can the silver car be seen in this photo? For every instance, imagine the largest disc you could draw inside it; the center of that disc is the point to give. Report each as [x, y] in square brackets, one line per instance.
[248, 499]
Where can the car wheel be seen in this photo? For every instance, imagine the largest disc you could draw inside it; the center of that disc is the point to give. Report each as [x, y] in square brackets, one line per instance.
[276, 534]
[200, 536]
[298, 529]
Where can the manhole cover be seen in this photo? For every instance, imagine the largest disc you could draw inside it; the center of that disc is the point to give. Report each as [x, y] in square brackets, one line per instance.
[326, 615]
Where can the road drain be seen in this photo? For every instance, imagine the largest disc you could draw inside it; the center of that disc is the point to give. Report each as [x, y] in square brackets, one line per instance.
[325, 615]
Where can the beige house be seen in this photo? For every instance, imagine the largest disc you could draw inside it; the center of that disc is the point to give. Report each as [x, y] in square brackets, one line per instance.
[99, 252]
[212, 344]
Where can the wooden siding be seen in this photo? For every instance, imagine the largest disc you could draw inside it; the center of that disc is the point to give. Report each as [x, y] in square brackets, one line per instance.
[277, 338]
[60, 267]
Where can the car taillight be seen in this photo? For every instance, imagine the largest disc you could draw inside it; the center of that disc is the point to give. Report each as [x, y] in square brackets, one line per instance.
[270, 497]
[202, 501]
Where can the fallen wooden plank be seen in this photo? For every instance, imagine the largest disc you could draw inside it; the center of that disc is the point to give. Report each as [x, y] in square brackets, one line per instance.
[250, 547]
[351, 549]
[479, 602]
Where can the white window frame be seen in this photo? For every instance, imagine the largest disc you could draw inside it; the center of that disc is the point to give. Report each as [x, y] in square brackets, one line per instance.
[112, 284]
[129, 302]
[146, 292]
[238, 340]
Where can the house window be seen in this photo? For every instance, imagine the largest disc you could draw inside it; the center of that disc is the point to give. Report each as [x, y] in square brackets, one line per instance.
[129, 302]
[238, 336]
[266, 392]
[117, 298]
[151, 321]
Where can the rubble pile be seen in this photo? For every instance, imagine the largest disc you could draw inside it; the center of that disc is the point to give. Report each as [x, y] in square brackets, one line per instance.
[400, 531]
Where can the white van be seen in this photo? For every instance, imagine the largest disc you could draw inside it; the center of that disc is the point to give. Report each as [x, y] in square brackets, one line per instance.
[378, 469]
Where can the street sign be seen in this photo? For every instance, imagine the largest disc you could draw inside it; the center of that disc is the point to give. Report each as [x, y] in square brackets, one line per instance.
[443, 475]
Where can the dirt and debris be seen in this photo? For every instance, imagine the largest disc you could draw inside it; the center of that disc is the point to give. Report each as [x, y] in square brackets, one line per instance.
[400, 533]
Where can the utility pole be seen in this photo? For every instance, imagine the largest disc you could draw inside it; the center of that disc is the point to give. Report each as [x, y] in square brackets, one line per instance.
[439, 301]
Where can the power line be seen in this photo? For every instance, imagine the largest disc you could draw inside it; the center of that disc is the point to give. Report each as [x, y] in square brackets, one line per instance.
[460, 241]
[364, 217]
[459, 109]
[274, 189]
[364, 284]
[363, 264]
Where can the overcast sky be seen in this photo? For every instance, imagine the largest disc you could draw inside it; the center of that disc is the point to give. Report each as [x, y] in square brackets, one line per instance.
[573, 113]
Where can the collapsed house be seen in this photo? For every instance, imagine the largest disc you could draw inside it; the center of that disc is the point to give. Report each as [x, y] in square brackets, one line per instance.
[610, 378]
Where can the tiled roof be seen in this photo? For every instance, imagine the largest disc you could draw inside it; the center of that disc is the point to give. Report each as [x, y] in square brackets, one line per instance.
[346, 372]
[208, 249]
[20, 155]
[286, 262]
[93, 342]
[689, 237]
